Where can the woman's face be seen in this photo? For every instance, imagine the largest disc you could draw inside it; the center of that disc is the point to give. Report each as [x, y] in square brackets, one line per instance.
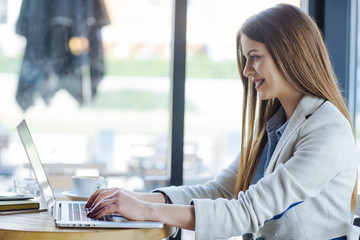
[261, 70]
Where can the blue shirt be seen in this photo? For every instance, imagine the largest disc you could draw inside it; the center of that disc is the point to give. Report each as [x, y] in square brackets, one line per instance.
[275, 129]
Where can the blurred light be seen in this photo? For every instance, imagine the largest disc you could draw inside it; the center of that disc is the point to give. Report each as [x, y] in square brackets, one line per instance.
[79, 45]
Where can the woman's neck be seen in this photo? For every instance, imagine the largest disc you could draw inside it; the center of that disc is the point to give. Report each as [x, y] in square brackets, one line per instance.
[289, 104]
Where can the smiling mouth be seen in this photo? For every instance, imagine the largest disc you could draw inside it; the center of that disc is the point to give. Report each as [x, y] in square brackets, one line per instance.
[258, 82]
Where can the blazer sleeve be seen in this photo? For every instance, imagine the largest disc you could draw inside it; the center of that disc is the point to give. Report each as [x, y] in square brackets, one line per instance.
[222, 186]
[323, 147]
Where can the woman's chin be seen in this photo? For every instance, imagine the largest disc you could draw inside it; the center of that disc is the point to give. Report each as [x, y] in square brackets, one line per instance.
[262, 96]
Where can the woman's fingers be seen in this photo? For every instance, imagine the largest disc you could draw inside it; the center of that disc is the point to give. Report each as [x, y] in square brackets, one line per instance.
[118, 202]
[98, 195]
[106, 206]
[93, 197]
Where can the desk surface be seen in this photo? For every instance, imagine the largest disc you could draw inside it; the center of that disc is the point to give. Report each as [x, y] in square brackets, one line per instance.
[34, 226]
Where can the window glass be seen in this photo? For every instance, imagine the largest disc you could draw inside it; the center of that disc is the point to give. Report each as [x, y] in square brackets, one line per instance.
[92, 80]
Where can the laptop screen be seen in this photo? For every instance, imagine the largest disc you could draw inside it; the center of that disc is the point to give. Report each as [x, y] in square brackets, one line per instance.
[36, 164]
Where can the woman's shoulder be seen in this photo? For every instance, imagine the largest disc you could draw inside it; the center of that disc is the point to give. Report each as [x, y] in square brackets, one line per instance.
[320, 111]
[322, 119]
[329, 113]
[328, 128]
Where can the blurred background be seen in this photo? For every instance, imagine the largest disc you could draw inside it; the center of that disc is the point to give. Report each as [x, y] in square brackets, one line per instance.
[92, 79]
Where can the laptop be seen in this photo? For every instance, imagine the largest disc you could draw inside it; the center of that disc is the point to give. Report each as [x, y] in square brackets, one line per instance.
[70, 213]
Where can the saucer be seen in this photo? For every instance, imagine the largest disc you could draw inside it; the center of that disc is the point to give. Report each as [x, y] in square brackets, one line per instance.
[74, 197]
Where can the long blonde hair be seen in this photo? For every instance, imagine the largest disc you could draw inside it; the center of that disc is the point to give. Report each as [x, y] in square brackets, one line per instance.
[298, 50]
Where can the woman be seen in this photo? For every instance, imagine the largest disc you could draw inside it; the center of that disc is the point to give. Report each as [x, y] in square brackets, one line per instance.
[296, 174]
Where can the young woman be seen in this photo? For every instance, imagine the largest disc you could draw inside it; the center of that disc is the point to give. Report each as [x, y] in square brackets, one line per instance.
[296, 174]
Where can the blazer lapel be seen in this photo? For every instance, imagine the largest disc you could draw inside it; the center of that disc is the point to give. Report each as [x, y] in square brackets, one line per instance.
[307, 106]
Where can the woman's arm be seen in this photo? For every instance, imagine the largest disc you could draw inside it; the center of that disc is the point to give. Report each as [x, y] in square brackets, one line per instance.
[150, 206]
[140, 206]
[181, 216]
[156, 197]
[222, 186]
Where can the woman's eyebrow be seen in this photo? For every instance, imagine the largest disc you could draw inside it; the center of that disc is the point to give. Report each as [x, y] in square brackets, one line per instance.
[250, 51]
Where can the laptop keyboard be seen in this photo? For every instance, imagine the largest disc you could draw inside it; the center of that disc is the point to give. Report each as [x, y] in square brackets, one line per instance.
[78, 212]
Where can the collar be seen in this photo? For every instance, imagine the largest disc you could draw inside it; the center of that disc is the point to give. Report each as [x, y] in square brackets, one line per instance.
[306, 107]
[276, 121]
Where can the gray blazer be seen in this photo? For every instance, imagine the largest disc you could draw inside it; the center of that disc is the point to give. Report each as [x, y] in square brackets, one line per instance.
[307, 185]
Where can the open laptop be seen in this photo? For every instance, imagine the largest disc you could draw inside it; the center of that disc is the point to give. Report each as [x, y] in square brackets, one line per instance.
[70, 213]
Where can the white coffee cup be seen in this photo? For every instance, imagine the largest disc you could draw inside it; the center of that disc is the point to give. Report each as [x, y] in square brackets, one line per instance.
[84, 186]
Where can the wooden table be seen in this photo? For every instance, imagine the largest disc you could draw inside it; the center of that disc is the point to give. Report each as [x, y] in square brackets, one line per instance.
[35, 226]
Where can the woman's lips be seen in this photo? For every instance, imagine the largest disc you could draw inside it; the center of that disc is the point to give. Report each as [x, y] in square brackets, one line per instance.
[258, 82]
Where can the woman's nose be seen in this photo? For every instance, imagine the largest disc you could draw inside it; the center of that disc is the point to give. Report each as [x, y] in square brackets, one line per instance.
[248, 69]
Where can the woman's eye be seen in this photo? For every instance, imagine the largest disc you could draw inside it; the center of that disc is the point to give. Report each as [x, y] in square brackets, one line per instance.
[255, 57]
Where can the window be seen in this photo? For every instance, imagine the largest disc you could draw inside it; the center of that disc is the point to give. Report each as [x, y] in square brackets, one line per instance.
[357, 78]
[96, 100]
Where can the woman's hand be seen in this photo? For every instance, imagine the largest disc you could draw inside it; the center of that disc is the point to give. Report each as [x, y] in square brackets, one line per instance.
[116, 200]
[140, 206]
